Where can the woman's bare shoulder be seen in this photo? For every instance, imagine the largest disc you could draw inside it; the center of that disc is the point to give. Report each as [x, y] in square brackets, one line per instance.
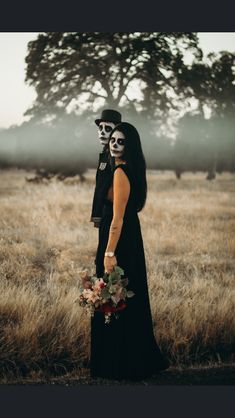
[121, 179]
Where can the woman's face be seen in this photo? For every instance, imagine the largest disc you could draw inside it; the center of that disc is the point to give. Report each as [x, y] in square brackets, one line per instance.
[117, 144]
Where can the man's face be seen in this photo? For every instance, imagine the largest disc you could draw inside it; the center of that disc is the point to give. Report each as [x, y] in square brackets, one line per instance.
[104, 130]
[117, 144]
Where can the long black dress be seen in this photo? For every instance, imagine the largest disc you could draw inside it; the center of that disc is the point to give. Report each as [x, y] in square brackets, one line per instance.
[126, 347]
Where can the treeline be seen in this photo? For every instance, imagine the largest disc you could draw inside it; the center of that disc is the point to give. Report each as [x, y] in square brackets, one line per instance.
[71, 146]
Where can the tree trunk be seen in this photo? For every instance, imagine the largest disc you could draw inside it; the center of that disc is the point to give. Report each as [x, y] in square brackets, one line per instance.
[178, 173]
[211, 175]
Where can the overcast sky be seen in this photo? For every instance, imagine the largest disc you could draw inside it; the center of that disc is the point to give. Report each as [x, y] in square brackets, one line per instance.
[16, 96]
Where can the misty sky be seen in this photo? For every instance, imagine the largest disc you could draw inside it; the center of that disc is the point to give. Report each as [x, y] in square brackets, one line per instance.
[16, 96]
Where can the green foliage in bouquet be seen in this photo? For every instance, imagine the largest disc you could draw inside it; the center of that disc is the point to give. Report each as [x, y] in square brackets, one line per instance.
[107, 294]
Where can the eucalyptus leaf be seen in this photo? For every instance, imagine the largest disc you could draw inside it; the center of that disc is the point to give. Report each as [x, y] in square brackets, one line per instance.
[113, 277]
[125, 281]
[112, 289]
[115, 301]
[106, 277]
[130, 293]
[105, 293]
[119, 270]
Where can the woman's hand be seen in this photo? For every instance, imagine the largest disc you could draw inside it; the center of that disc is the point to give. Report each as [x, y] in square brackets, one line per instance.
[109, 264]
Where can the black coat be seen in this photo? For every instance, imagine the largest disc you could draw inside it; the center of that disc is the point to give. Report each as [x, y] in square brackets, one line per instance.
[103, 182]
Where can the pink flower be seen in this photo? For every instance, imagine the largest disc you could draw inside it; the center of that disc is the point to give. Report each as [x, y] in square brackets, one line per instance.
[102, 283]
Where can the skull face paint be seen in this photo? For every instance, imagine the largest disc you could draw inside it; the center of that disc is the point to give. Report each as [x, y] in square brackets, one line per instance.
[104, 131]
[117, 144]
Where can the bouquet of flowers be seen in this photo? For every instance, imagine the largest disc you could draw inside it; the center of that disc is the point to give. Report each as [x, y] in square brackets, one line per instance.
[107, 294]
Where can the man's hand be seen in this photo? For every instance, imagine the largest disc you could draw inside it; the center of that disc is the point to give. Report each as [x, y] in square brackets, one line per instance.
[109, 264]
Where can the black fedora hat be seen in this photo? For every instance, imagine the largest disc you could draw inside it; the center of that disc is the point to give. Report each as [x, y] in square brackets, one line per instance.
[109, 115]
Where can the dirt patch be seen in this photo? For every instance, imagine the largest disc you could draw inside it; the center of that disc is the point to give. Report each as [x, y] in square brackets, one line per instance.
[217, 375]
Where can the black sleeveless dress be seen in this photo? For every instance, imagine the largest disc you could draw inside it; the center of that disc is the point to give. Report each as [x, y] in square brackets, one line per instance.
[126, 347]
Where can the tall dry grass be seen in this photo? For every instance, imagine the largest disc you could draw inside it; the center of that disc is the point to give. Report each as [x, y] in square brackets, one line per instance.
[46, 239]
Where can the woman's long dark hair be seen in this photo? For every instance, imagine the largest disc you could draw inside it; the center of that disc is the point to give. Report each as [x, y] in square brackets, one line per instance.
[134, 157]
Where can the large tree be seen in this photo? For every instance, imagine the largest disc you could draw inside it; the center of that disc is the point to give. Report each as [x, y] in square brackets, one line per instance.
[212, 82]
[136, 70]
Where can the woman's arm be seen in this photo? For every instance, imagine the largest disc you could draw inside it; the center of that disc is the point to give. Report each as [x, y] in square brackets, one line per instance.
[121, 192]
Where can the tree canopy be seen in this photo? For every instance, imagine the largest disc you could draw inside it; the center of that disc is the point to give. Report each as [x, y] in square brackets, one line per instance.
[87, 70]
[212, 82]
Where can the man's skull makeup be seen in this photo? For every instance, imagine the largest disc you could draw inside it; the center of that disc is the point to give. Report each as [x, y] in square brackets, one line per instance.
[117, 144]
[104, 131]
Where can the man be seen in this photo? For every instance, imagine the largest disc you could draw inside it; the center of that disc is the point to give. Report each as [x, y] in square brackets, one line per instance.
[108, 120]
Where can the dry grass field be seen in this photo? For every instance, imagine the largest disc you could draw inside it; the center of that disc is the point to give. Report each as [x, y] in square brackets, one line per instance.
[188, 228]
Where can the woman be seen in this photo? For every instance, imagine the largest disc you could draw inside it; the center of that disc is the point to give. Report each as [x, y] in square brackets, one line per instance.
[126, 347]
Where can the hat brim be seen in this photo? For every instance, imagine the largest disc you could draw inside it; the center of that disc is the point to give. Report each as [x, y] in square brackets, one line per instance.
[97, 121]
